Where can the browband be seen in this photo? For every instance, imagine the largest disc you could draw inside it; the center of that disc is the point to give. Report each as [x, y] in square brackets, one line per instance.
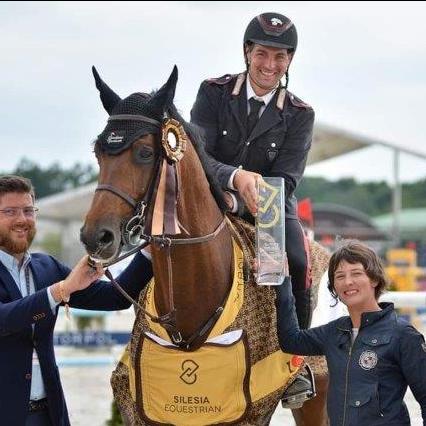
[135, 118]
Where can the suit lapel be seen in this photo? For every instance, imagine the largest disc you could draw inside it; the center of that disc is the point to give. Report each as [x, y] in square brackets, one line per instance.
[238, 106]
[40, 281]
[270, 118]
[7, 280]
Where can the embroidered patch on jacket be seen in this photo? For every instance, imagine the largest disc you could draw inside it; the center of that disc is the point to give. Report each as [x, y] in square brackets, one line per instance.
[424, 346]
[368, 360]
[271, 154]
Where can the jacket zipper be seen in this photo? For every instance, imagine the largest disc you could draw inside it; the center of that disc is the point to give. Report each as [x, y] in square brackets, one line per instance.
[346, 382]
[378, 403]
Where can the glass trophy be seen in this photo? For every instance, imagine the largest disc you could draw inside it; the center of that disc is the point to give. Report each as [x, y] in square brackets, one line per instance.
[271, 256]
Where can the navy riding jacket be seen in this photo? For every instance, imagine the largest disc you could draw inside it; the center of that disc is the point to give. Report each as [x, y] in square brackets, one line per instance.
[278, 145]
[369, 378]
[17, 340]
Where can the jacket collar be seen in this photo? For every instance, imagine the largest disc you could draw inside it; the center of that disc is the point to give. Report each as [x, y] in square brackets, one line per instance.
[9, 283]
[238, 104]
[40, 275]
[367, 318]
[11, 262]
[7, 264]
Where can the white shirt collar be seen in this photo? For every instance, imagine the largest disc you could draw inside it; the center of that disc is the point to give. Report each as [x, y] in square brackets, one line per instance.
[11, 262]
[251, 94]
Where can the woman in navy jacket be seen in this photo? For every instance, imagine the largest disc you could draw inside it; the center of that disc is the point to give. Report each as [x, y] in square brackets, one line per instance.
[372, 355]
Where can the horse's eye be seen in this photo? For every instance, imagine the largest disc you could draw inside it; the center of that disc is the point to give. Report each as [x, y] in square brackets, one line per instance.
[144, 154]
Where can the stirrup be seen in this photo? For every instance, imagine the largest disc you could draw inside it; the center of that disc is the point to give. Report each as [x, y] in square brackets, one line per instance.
[297, 399]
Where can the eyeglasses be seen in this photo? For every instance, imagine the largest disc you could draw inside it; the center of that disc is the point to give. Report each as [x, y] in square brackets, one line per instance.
[15, 211]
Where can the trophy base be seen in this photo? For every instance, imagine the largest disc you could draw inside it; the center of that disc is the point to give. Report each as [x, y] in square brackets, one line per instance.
[270, 279]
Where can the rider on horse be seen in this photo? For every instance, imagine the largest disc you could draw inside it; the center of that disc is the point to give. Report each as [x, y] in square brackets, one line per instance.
[253, 126]
[202, 317]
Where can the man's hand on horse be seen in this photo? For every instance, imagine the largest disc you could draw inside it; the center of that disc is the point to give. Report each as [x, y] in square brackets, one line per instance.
[82, 275]
[245, 183]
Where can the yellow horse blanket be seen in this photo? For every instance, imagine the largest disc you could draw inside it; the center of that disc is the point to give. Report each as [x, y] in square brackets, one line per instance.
[236, 377]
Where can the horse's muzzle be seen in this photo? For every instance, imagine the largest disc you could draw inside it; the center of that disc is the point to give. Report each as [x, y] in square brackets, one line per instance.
[101, 243]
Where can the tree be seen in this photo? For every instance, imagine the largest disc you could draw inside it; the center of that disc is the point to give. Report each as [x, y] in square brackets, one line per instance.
[372, 198]
[53, 178]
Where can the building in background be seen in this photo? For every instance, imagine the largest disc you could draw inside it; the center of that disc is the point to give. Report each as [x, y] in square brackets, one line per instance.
[412, 230]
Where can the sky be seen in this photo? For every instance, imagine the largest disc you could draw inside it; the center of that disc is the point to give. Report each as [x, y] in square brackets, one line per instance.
[361, 65]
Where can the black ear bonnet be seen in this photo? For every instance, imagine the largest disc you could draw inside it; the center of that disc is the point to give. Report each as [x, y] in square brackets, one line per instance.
[131, 118]
[118, 135]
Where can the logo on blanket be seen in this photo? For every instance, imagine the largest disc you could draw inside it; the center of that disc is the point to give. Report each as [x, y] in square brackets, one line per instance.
[368, 360]
[189, 368]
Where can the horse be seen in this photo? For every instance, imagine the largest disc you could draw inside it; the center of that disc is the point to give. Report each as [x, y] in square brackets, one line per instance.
[203, 318]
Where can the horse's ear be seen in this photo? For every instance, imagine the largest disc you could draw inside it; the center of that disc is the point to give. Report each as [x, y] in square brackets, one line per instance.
[163, 98]
[108, 97]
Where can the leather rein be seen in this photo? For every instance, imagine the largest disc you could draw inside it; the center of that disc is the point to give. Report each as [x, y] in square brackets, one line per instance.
[134, 230]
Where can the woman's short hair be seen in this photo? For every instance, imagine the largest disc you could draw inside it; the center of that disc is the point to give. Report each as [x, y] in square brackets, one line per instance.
[354, 251]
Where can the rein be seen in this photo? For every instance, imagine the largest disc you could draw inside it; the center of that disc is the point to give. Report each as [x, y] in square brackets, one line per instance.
[135, 230]
[168, 321]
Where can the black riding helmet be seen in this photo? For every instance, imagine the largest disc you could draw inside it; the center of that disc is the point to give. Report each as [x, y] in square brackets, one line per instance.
[272, 29]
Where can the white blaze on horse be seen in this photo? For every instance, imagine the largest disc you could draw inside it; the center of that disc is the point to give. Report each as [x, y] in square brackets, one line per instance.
[204, 348]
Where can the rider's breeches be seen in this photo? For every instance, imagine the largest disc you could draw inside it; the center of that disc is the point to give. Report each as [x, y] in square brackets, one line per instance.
[299, 265]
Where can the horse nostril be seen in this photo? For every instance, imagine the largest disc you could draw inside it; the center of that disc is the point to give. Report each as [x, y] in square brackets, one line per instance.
[105, 237]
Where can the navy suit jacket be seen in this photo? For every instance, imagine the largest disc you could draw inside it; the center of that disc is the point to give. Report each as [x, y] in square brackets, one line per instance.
[17, 340]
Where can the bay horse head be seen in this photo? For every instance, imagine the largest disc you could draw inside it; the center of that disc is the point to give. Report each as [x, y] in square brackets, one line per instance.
[154, 185]
[129, 156]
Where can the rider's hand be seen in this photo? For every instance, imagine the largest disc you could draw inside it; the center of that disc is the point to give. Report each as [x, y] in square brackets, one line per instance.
[148, 249]
[82, 276]
[245, 183]
[229, 201]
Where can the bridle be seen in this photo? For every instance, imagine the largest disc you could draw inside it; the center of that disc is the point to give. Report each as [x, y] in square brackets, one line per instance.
[134, 230]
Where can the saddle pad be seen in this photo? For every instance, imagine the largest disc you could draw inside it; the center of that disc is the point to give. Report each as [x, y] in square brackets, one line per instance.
[192, 388]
